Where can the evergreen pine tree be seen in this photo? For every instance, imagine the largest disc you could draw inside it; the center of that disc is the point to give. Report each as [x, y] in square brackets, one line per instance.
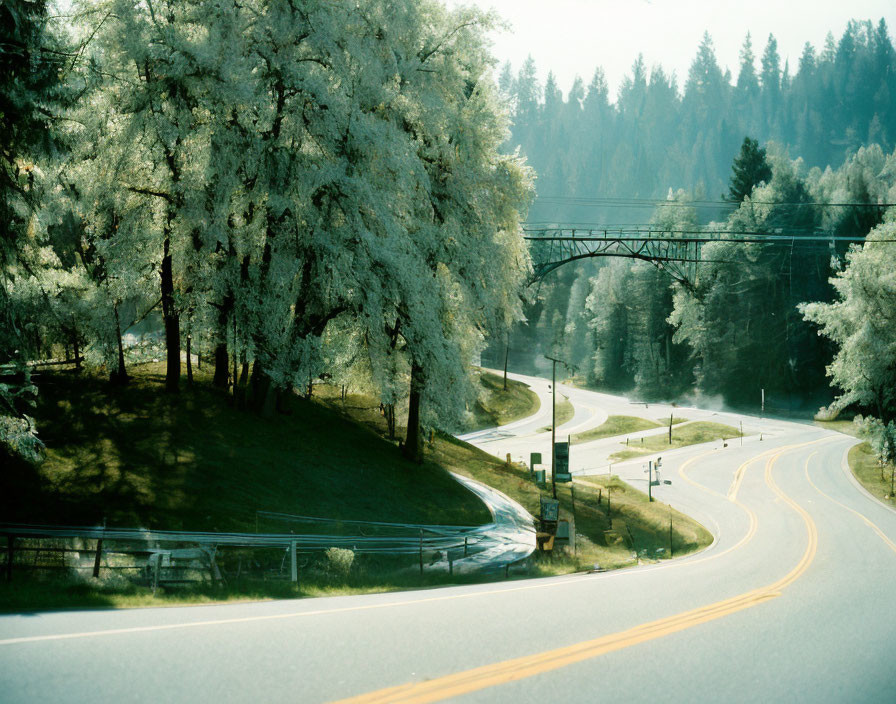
[750, 167]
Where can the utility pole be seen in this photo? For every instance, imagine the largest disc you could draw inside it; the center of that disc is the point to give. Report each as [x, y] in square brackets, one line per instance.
[554, 361]
[553, 426]
[670, 428]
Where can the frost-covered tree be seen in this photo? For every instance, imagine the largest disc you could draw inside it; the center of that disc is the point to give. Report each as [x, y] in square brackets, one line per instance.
[149, 67]
[304, 187]
[861, 321]
[32, 66]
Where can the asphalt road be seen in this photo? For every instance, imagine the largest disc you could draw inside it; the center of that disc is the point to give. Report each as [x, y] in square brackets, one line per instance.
[792, 602]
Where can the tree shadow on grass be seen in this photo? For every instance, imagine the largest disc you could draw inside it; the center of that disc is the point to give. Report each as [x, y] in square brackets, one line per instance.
[139, 457]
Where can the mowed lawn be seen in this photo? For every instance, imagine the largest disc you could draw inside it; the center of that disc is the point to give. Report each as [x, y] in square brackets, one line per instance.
[691, 434]
[875, 478]
[564, 413]
[612, 426]
[499, 407]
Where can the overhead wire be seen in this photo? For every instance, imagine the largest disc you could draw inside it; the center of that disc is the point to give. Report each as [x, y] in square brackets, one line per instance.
[703, 202]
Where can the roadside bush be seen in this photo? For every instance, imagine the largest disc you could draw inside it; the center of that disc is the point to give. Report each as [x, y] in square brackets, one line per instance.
[339, 561]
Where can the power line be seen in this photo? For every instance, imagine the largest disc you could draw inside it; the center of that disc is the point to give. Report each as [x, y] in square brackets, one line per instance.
[613, 201]
[705, 236]
[648, 227]
[616, 232]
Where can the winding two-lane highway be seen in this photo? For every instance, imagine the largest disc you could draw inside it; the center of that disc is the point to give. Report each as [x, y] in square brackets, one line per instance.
[791, 602]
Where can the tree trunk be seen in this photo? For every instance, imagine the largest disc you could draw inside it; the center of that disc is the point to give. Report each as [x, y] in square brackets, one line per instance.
[119, 377]
[234, 360]
[257, 385]
[390, 419]
[172, 322]
[506, 354]
[77, 350]
[668, 350]
[221, 362]
[271, 400]
[413, 446]
[189, 362]
[243, 393]
[264, 396]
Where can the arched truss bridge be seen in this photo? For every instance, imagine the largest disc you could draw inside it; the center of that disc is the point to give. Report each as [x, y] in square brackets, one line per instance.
[675, 252]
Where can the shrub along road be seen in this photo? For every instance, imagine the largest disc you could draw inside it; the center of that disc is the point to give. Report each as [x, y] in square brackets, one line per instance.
[790, 602]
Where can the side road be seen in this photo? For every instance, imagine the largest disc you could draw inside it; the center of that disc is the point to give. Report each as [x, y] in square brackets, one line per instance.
[509, 538]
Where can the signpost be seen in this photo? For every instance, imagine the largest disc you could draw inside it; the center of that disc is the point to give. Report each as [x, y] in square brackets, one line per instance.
[561, 462]
[534, 459]
[556, 471]
[550, 510]
[553, 426]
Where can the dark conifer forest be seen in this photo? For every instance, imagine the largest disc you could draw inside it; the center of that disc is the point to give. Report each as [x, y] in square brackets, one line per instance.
[772, 148]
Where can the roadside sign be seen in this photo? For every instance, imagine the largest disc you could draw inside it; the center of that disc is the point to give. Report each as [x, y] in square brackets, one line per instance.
[561, 458]
[534, 459]
[550, 509]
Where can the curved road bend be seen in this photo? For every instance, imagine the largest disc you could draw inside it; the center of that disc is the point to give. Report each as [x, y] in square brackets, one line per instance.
[792, 602]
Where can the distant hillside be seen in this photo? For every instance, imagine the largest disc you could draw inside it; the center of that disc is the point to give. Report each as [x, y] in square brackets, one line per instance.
[593, 157]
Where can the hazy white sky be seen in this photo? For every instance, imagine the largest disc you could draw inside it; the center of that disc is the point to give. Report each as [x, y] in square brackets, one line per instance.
[574, 36]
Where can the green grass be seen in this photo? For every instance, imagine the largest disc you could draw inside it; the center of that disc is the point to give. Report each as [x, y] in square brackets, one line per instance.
[876, 479]
[863, 463]
[615, 425]
[499, 407]
[140, 457]
[648, 521]
[564, 413]
[675, 421]
[847, 427]
[28, 592]
[692, 434]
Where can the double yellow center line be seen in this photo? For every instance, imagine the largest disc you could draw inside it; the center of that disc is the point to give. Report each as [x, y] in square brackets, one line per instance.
[519, 668]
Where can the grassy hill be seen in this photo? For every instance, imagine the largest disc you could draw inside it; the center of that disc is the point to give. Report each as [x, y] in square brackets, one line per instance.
[139, 457]
[499, 407]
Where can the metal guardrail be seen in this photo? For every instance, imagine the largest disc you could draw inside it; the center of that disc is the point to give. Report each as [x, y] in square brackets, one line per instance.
[448, 542]
[443, 544]
[401, 544]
